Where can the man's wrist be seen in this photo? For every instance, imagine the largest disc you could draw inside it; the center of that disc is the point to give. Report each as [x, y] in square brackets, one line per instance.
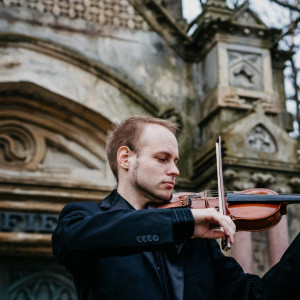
[183, 224]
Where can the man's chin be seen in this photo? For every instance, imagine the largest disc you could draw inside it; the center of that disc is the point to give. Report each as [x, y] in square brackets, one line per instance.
[163, 199]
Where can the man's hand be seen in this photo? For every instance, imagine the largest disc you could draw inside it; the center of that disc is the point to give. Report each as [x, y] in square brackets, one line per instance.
[206, 222]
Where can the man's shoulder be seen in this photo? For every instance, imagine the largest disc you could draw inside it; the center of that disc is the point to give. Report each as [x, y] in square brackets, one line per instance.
[81, 206]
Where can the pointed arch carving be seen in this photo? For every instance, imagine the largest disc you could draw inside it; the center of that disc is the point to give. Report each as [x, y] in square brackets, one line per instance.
[260, 139]
[46, 285]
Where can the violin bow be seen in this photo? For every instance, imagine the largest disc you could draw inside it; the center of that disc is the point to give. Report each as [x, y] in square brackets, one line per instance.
[222, 203]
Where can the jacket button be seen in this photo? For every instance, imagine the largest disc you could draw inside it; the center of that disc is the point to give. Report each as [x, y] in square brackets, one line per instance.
[155, 237]
[149, 238]
[139, 239]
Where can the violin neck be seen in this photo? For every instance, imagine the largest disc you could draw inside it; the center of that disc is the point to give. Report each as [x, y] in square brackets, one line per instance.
[236, 198]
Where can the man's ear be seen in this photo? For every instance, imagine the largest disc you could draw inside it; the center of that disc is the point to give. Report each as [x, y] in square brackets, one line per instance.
[123, 156]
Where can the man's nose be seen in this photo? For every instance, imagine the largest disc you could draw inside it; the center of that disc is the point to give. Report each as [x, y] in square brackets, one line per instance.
[174, 170]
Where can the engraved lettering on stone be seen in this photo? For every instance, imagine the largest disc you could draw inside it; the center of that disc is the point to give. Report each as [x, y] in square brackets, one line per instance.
[260, 140]
[27, 222]
[245, 70]
[114, 13]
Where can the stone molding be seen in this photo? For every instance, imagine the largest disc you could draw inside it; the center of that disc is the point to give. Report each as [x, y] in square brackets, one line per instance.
[95, 68]
[93, 13]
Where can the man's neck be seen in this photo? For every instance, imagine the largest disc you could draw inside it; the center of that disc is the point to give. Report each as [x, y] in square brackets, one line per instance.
[131, 196]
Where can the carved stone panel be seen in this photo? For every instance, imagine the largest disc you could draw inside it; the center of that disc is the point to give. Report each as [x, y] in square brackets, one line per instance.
[260, 139]
[245, 70]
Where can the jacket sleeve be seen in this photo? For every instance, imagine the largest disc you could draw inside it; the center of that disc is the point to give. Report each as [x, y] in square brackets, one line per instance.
[280, 282]
[84, 230]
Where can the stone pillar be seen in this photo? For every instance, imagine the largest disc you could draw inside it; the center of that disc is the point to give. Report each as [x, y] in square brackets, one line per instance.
[278, 238]
[242, 250]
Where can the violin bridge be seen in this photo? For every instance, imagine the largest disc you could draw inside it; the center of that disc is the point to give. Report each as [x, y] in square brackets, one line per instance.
[205, 199]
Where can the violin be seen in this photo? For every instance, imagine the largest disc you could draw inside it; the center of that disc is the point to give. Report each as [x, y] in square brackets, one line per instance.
[251, 210]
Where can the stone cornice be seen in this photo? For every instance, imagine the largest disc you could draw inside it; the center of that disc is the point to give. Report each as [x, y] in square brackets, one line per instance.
[92, 66]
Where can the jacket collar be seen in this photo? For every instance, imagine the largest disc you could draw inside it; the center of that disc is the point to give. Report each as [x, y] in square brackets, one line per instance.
[115, 201]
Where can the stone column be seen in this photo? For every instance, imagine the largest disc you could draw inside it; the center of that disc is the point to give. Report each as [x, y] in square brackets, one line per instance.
[278, 238]
[242, 250]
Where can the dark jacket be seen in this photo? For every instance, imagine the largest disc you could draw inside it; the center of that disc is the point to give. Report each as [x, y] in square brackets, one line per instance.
[115, 252]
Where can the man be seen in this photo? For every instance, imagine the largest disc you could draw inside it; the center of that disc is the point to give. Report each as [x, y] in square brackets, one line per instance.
[122, 248]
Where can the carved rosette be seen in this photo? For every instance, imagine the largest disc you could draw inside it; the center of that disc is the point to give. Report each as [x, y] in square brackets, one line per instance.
[20, 145]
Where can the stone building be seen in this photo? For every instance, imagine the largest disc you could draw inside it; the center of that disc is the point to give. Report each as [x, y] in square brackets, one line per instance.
[70, 69]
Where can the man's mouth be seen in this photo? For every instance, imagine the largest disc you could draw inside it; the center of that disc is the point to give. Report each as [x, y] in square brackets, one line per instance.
[169, 184]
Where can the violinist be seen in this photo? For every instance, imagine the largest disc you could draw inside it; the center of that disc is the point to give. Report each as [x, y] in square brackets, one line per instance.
[123, 248]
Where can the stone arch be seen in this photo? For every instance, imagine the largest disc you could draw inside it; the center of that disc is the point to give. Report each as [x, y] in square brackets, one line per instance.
[41, 131]
[42, 285]
[52, 151]
[74, 75]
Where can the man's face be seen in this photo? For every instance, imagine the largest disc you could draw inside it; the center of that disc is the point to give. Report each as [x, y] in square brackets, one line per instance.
[153, 169]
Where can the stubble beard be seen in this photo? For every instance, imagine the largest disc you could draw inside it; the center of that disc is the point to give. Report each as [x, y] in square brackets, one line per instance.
[146, 192]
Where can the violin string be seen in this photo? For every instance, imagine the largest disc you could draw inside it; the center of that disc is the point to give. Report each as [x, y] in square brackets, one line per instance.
[216, 193]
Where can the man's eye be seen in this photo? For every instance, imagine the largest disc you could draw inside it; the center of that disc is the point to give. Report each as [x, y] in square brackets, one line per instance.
[162, 159]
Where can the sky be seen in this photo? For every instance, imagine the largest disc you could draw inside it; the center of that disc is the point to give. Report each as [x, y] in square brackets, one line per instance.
[191, 8]
[269, 12]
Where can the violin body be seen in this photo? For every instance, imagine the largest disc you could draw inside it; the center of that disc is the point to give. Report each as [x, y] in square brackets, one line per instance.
[246, 216]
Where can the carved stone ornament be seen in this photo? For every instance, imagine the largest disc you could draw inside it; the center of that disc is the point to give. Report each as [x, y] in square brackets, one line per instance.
[245, 70]
[259, 139]
[113, 13]
[263, 179]
[19, 145]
